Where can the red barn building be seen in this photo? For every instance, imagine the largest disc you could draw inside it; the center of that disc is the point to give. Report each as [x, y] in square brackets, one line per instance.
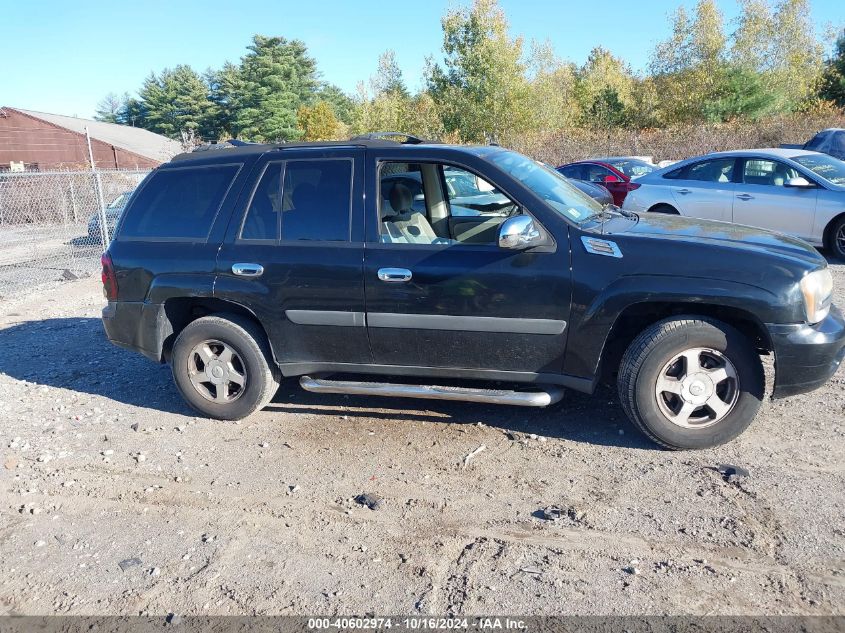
[37, 141]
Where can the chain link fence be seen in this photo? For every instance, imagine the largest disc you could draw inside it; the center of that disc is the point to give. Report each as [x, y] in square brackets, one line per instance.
[55, 225]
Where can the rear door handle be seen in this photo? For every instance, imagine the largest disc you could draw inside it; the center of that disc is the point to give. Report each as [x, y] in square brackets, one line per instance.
[684, 192]
[745, 196]
[248, 270]
[394, 275]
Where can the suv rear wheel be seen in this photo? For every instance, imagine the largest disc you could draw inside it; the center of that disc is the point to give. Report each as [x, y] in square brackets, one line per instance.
[221, 367]
[691, 382]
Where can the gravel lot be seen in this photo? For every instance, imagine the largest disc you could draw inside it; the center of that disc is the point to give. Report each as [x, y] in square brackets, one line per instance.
[116, 499]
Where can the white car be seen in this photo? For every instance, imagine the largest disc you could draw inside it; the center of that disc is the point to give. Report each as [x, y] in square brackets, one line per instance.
[791, 191]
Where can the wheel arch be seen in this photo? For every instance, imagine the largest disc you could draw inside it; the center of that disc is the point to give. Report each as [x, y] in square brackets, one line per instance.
[180, 311]
[652, 208]
[829, 227]
[636, 317]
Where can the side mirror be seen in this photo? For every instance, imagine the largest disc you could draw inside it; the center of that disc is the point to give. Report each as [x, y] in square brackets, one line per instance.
[610, 178]
[800, 183]
[519, 232]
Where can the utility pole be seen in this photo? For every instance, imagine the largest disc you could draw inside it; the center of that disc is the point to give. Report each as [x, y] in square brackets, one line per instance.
[98, 185]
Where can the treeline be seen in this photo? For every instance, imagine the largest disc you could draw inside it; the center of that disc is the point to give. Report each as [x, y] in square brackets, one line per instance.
[490, 86]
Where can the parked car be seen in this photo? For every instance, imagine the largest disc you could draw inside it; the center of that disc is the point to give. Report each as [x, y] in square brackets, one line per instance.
[597, 192]
[241, 266]
[792, 191]
[830, 141]
[112, 213]
[615, 173]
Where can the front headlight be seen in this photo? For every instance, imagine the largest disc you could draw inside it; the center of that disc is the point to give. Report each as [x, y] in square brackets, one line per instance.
[817, 288]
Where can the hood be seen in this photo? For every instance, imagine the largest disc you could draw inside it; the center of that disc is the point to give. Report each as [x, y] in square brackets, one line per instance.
[720, 234]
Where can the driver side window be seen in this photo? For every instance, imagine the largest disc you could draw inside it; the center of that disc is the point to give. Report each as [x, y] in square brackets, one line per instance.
[431, 203]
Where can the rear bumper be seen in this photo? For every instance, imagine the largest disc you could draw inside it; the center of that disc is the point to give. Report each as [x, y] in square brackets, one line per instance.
[141, 327]
[806, 356]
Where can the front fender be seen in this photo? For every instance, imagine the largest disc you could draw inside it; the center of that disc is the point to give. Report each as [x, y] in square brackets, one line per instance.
[593, 319]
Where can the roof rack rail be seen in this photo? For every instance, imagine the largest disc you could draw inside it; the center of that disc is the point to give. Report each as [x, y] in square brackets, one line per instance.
[232, 142]
[410, 139]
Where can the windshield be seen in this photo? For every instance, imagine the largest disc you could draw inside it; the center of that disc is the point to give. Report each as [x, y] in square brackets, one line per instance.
[632, 167]
[827, 167]
[549, 185]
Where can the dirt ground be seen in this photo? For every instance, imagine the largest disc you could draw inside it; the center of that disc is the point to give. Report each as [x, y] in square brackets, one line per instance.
[116, 499]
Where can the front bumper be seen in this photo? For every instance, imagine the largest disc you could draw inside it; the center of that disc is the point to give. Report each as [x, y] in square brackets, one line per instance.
[806, 356]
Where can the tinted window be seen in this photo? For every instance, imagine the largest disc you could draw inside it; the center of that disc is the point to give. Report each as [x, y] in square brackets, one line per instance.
[180, 203]
[597, 173]
[837, 145]
[817, 142]
[767, 172]
[572, 171]
[719, 170]
[262, 218]
[316, 200]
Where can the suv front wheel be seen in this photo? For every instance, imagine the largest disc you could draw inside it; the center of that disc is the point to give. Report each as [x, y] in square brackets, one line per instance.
[221, 366]
[691, 382]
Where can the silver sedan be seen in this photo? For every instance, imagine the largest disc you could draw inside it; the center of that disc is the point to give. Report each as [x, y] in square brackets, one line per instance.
[791, 191]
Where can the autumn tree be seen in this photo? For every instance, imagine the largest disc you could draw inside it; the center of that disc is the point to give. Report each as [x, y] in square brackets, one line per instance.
[318, 122]
[833, 81]
[481, 88]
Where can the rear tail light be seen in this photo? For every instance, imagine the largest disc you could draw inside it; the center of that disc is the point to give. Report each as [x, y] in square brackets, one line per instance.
[633, 185]
[108, 277]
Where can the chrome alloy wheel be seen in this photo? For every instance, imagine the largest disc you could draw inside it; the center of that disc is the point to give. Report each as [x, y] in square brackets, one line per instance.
[216, 371]
[840, 239]
[697, 388]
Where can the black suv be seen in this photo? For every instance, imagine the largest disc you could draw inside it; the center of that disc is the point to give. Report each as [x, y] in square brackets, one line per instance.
[242, 265]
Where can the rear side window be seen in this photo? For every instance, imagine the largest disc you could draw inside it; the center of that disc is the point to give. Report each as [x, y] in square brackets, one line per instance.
[317, 200]
[179, 203]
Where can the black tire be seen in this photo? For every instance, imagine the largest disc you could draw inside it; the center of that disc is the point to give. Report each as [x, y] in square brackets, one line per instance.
[252, 357]
[666, 209]
[836, 238]
[646, 358]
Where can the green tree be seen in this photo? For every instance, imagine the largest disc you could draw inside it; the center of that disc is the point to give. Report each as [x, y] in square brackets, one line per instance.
[318, 122]
[176, 101]
[604, 88]
[481, 89]
[275, 78]
[341, 103]
[797, 54]
[684, 66]
[552, 91]
[742, 93]
[833, 81]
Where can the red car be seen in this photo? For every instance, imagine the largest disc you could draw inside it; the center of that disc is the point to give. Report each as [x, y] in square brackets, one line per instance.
[615, 173]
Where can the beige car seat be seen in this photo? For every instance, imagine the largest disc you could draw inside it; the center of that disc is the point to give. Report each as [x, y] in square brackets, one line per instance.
[402, 224]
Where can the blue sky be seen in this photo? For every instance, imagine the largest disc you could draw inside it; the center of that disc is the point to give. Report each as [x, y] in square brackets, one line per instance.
[63, 57]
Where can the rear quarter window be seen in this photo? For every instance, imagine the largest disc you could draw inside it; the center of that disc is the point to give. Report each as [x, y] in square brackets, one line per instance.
[178, 203]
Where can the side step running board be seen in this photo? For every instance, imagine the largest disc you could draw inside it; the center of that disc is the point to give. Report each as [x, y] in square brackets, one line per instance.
[540, 398]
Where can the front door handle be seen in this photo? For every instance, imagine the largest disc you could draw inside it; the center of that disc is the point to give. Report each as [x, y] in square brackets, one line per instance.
[745, 196]
[394, 274]
[248, 270]
[684, 192]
